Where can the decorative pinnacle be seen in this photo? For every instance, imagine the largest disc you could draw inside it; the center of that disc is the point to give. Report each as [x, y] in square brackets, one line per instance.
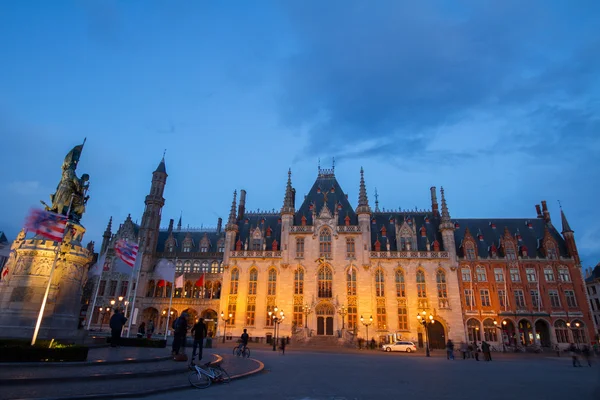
[288, 200]
[108, 230]
[445, 213]
[231, 225]
[363, 200]
[376, 201]
[565, 224]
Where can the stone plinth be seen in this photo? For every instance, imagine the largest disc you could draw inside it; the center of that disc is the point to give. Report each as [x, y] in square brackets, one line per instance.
[22, 291]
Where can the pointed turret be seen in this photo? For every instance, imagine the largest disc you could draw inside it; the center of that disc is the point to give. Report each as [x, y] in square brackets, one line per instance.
[445, 212]
[288, 200]
[161, 166]
[106, 236]
[231, 225]
[376, 201]
[179, 222]
[565, 224]
[447, 229]
[363, 200]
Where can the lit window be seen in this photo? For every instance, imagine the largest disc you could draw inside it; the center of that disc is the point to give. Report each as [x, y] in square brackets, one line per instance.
[440, 278]
[400, 286]
[421, 287]
[325, 243]
[351, 281]
[300, 248]
[379, 284]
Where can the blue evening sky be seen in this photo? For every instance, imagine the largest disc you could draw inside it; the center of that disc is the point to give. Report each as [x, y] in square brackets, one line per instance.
[497, 101]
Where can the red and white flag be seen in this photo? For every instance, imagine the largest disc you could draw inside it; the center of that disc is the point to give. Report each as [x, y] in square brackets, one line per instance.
[47, 224]
[127, 251]
[179, 281]
[200, 282]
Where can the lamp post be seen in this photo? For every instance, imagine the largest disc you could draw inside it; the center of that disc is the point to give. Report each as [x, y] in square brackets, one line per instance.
[225, 323]
[106, 310]
[276, 322]
[307, 312]
[366, 324]
[426, 321]
[343, 312]
[572, 329]
[501, 333]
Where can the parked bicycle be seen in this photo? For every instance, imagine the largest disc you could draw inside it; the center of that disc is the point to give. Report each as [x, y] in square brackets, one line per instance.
[203, 375]
[241, 351]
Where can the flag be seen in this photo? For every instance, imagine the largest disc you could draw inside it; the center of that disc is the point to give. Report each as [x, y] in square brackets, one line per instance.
[200, 282]
[126, 251]
[161, 283]
[122, 267]
[47, 224]
[99, 267]
[165, 270]
[179, 281]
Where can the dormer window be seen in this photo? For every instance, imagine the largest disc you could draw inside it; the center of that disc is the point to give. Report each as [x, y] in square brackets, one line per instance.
[187, 248]
[469, 251]
[256, 244]
[510, 252]
[204, 249]
[550, 251]
[170, 248]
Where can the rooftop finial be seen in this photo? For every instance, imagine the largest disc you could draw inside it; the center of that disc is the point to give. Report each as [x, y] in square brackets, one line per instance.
[445, 212]
[164, 153]
[333, 164]
[288, 199]
[563, 218]
[376, 201]
[179, 223]
[363, 200]
[231, 225]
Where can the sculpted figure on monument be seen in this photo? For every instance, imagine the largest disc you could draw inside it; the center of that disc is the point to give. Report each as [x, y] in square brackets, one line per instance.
[70, 186]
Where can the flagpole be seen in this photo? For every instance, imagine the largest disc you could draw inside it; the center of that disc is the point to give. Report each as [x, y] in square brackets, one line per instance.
[169, 310]
[137, 280]
[95, 294]
[45, 299]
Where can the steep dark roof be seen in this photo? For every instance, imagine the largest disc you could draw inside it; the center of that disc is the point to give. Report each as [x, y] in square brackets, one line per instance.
[3, 238]
[263, 221]
[595, 274]
[335, 200]
[196, 236]
[530, 237]
[161, 166]
[391, 219]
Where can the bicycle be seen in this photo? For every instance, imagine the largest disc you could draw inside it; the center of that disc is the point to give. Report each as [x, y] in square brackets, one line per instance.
[202, 376]
[237, 351]
[493, 349]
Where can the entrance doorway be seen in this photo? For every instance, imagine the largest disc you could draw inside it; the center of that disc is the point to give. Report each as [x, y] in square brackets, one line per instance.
[437, 336]
[543, 332]
[210, 320]
[325, 312]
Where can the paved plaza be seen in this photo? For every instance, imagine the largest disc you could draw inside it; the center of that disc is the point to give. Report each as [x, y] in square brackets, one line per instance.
[324, 375]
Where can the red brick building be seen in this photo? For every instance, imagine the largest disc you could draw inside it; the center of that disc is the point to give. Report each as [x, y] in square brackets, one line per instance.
[521, 282]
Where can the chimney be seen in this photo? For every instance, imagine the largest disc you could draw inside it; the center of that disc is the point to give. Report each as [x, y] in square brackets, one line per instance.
[242, 206]
[545, 211]
[539, 211]
[434, 203]
[171, 222]
[219, 225]
[294, 198]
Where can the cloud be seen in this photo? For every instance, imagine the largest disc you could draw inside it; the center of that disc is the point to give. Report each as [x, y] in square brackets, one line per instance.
[24, 188]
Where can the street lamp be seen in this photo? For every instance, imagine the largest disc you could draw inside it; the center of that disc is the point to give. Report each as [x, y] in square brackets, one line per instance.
[307, 312]
[225, 323]
[276, 321]
[366, 324]
[501, 333]
[343, 312]
[106, 311]
[426, 321]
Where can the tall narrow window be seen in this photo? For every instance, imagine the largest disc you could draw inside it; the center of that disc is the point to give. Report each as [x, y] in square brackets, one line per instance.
[325, 243]
[485, 297]
[351, 281]
[530, 274]
[440, 278]
[325, 282]
[550, 251]
[400, 285]
[499, 274]
[562, 331]
[381, 317]
[231, 310]
[297, 318]
[421, 287]
[554, 298]
[379, 284]
[272, 287]
[252, 281]
[563, 275]
[269, 319]
[299, 247]
[549, 274]
[466, 274]
[535, 298]
[514, 275]
[519, 299]
[250, 314]
[299, 281]
[510, 252]
[481, 274]
[235, 277]
[352, 317]
[402, 318]
[124, 286]
[502, 298]
[112, 288]
[571, 300]
[350, 248]
[469, 299]
[469, 251]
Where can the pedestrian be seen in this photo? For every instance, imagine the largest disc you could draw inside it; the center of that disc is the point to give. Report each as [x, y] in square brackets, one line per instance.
[150, 330]
[360, 343]
[485, 348]
[179, 333]
[587, 354]
[475, 351]
[463, 349]
[450, 350]
[574, 356]
[597, 349]
[116, 326]
[199, 332]
[141, 330]
[373, 343]
[283, 340]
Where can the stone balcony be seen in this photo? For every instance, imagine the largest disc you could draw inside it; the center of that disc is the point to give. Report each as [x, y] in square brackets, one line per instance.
[256, 254]
[410, 254]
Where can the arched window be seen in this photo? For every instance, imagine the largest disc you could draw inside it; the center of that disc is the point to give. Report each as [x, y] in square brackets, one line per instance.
[469, 251]
[204, 266]
[272, 286]
[325, 243]
[196, 267]
[421, 287]
[490, 332]
[187, 267]
[350, 248]
[235, 277]
[299, 281]
[252, 281]
[473, 330]
[509, 252]
[400, 284]
[440, 278]
[379, 284]
[214, 267]
[187, 289]
[179, 266]
[578, 329]
[562, 331]
[325, 282]
[150, 291]
[351, 281]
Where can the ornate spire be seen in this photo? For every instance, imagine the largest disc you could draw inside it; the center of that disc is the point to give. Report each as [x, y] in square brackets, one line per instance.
[445, 213]
[565, 224]
[288, 200]
[363, 201]
[179, 223]
[161, 166]
[108, 230]
[231, 225]
[376, 201]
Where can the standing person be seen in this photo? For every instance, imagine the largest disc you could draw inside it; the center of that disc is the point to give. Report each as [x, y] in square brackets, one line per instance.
[199, 332]
[587, 354]
[450, 350]
[574, 357]
[150, 329]
[463, 349]
[475, 351]
[116, 326]
[283, 340]
[179, 333]
[141, 330]
[485, 348]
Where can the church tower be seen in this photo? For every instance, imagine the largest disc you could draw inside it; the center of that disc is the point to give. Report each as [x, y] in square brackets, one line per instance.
[364, 218]
[152, 213]
[569, 236]
[287, 218]
[231, 230]
[447, 229]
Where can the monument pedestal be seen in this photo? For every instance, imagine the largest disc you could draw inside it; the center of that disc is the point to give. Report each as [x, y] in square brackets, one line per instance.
[22, 290]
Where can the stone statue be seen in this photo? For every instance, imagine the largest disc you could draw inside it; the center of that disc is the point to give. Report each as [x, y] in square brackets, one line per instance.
[70, 187]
